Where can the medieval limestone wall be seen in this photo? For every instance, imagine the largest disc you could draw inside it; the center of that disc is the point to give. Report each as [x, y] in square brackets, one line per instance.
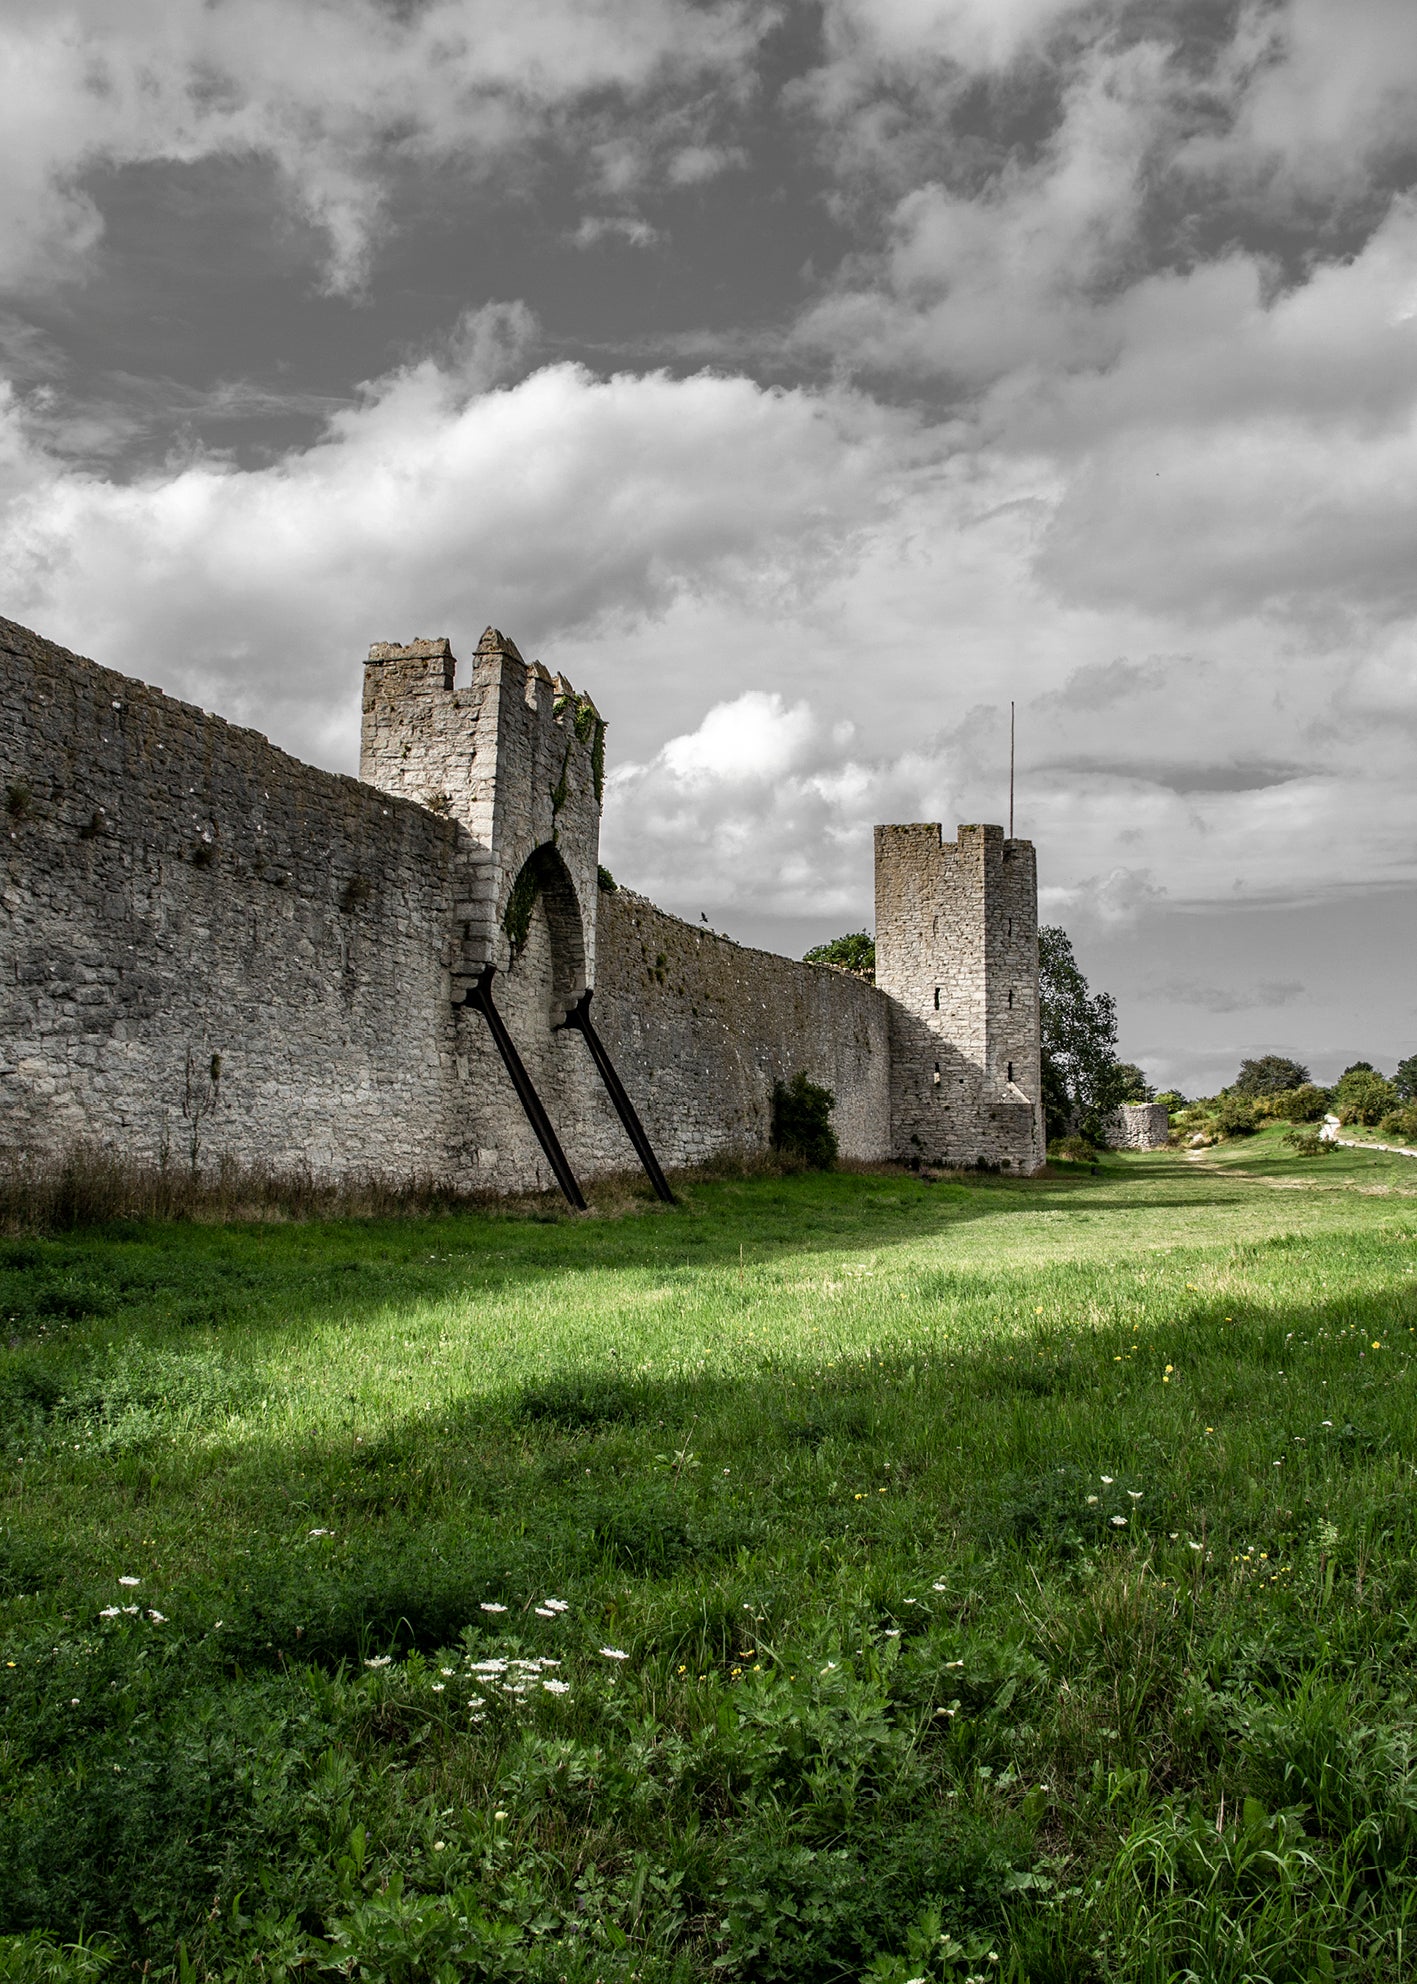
[700, 1028]
[957, 954]
[1138, 1126]
[202, 937]
[516, 756]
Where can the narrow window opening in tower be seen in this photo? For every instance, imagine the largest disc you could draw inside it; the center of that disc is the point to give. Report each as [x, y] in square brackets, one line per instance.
[937, 998]
[1011, 1071]
[1011, 929]
[937, 1074]
[1011, 995]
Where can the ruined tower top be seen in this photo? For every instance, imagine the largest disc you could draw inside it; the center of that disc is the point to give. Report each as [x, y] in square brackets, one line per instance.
[514, 756]
[957, 952]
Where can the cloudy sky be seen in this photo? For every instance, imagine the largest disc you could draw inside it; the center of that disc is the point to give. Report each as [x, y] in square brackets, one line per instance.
[806, 381]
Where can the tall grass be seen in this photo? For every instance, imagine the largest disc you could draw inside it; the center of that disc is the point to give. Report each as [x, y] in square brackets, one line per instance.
[959, 1580]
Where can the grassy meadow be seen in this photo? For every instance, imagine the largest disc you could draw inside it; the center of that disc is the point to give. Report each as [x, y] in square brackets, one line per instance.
[834, 1577]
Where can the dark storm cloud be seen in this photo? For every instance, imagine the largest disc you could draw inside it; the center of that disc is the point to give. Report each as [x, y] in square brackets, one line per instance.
[819, 379]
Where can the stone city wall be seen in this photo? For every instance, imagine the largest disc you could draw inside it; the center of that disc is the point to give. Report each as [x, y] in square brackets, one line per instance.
[202, 937]
[957, 953]
[1138, 1126]
[204, 940]
[701, 1028]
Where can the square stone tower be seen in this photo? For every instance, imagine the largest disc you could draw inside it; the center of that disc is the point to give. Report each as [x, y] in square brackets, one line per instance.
[957, 953]
[517, 758]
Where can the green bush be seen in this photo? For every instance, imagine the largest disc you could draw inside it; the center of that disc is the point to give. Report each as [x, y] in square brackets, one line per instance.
[1363, 1096]
[1405, 1080]
[1269, 1074]
[1172, 1100]
[854, 952]
[1235, 1116]
[1072, 1150]
[1400, 1124]
[1133, 1083]
[1308, 1104]
[1308, 1143]
[801, 1121]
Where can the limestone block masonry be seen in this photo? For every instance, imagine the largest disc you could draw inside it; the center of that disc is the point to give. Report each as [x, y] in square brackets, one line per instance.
[211, 952]
[957, 955]
[1138, 1126]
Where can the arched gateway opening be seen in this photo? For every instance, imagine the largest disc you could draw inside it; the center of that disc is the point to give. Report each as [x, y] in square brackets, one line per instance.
[544, 883]
[546, 946]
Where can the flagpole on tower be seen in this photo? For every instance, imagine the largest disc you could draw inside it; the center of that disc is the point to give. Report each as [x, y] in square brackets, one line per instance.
[1011, 769]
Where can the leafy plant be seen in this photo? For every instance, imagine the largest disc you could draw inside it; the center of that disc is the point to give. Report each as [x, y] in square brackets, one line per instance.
[1083, 1081]
[1235, 1116]
[854, 952]
[1362, 1096]
[1134, 1082]
[1269, 1074]
[1400, 1123]
[1308, 1143]
[1308, 1104]
[801, 1121]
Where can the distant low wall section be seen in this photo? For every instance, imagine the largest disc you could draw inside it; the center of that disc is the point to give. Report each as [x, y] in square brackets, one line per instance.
[1138, 1126]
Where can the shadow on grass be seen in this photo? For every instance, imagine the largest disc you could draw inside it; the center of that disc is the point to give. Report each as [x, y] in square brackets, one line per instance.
[147, 1279]
[396, 1539]
[154, 1763]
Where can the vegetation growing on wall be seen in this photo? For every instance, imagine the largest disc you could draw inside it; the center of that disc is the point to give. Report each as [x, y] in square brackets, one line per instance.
[801, 1121]
[589, 727]
[540, 869]
[562, 786]
[854, 952]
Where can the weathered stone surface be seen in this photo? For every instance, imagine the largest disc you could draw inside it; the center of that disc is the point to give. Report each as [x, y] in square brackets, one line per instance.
[1138, 1126]
[957, 955]
[203, 941]
[175, 888]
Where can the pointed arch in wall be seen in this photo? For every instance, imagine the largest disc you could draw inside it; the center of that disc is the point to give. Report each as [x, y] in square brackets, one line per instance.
[544, 877]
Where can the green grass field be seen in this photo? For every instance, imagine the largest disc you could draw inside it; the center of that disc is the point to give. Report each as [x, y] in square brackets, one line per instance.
[959, 1581]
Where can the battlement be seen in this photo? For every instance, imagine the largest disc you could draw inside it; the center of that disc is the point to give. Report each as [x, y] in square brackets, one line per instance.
[516, 757]
[180, 896]
[957, 953]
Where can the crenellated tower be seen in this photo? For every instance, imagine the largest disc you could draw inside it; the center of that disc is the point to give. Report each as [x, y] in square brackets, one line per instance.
[957, 953]
[516, 757]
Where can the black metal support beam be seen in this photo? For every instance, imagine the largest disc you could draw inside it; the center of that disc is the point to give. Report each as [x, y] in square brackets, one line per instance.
[579, 1017]
[481, 997]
